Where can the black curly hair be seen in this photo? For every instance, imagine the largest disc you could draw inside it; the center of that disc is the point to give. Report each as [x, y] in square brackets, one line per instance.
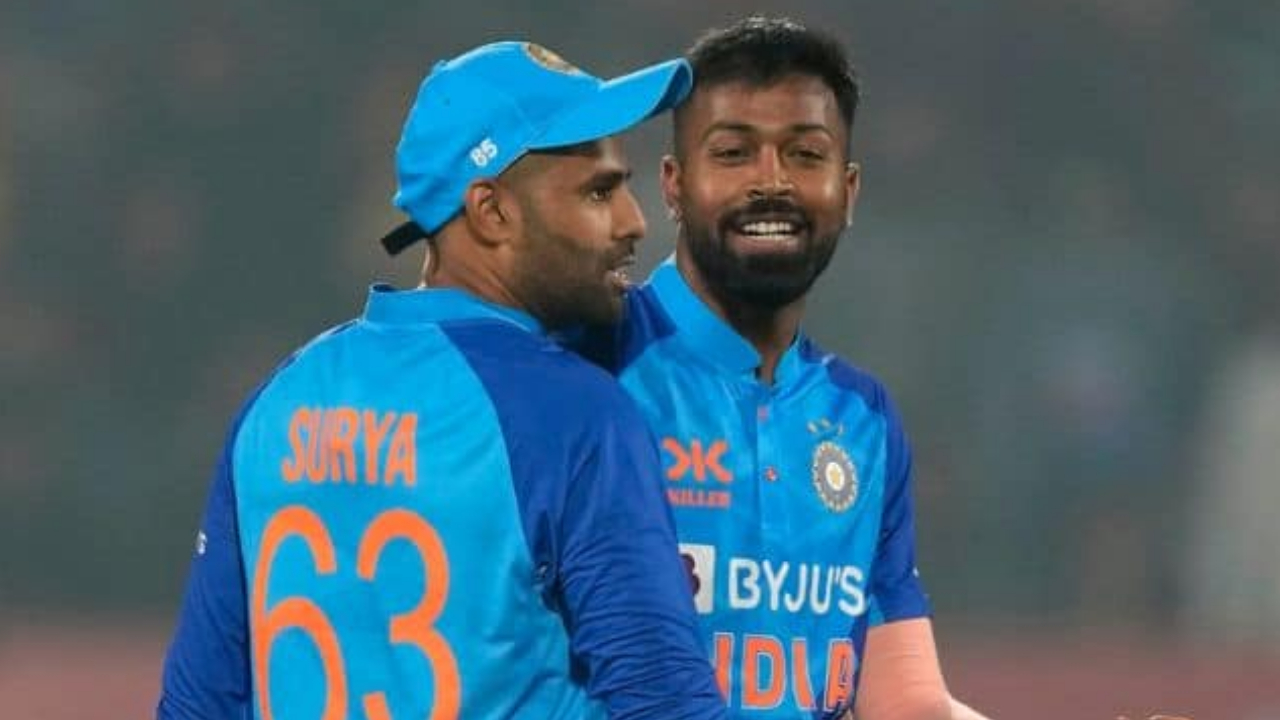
[759, 51]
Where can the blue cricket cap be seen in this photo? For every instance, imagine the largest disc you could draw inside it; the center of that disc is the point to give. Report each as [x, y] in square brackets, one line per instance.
[476, 114]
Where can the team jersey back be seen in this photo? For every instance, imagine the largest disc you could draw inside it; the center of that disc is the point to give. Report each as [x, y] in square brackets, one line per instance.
[791, 501]
[370, 473]
[435, 511]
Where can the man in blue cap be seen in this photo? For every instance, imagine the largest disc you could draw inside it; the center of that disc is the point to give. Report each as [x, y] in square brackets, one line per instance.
[432, 510]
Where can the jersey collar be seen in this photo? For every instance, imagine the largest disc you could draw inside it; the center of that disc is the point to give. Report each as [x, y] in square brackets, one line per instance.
[711, 337]
[388, 306]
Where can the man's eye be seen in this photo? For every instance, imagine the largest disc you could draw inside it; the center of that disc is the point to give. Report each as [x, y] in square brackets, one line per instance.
[728, 153]
[811, 154]
[600, 194]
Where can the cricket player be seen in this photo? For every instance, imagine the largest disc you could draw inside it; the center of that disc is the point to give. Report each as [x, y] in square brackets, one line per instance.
[788, 468]
[433, 510]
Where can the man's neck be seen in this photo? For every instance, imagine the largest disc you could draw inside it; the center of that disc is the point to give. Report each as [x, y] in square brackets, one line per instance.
[462, 271]
[770, 330]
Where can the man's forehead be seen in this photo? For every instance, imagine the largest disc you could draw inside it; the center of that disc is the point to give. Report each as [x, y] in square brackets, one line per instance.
[800, 95]
[606, 151]
[589, 158]
[590, 148]
[789, 101]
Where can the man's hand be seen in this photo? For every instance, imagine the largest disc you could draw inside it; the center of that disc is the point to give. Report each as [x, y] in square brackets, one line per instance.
[960, 711]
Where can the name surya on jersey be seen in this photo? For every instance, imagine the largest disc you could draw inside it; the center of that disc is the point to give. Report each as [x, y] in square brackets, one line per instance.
[325, 444]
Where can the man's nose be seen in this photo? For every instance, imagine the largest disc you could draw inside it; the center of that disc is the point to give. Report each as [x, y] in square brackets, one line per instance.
[629, 223]
[772, 177]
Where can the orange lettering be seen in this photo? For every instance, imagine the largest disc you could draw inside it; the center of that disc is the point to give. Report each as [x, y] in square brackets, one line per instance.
[292, 467]
[754, 649]
[696, 460]
[402, 456]
[340, 436]
[800, 673]
[296, 612]
[718, 448]
[681, 466]
[699, 466]
[375, 429]
[840, 666]
[316, 469]
[417, 626]
[325, 445]
[724, 663]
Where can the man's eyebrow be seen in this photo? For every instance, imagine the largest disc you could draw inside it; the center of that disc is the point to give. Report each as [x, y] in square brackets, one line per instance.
[745, 128]
[609, 177]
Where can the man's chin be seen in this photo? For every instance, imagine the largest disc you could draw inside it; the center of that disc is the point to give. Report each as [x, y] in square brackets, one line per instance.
[607, 311]
[768, 287]
[766, 277]
[767, 297]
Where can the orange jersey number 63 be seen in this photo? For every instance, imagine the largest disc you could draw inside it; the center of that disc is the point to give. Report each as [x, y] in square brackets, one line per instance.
[411, 628]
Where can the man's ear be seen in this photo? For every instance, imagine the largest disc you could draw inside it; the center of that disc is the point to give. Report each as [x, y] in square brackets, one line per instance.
[671, 186]
[491, 211]
[852, 185]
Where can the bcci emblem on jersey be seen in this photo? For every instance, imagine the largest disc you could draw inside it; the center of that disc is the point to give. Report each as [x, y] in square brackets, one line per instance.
[834, 476]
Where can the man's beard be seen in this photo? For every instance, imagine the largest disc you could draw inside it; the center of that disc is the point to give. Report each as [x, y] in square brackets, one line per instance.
[766, 281]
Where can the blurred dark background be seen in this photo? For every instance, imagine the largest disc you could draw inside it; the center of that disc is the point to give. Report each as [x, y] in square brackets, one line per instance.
[1064, 264]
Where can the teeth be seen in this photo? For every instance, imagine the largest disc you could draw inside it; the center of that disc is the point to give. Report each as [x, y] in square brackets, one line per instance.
[769, 228]
[620, 272]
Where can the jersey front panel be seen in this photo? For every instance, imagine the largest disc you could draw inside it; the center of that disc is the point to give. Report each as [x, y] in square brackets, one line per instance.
[387, 488]
[780, 501]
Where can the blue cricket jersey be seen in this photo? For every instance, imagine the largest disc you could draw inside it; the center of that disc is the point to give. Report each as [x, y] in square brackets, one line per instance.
[792, 501]
[434, 511]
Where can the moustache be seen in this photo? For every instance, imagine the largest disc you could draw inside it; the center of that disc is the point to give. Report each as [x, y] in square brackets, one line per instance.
[771, 209]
